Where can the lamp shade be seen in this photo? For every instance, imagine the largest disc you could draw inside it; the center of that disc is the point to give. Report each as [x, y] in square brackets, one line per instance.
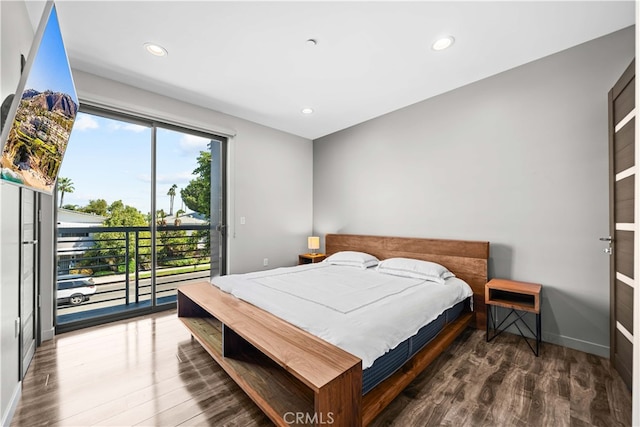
[313, 242]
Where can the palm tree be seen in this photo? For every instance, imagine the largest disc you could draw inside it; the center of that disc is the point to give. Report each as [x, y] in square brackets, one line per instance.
[65, 185]
[172, 194]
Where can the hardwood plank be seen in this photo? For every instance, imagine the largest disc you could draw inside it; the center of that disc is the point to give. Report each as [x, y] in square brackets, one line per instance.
[471, 383]
[157, 406]
[195, 378]
[72, 389]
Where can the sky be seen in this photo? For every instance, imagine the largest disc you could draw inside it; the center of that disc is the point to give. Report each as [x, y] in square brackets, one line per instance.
[50, 69]
[110, 159]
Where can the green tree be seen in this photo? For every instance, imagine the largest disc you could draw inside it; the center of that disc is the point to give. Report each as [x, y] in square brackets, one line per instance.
[65, 185]
[110, 249]
[98, 207]
[121, 215]
[172, 195]
[175, 248]
[196, 195]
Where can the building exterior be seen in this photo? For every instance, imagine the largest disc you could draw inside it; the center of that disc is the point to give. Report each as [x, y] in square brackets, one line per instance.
[74, 236]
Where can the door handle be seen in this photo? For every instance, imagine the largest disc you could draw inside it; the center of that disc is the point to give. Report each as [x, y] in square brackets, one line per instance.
[609, 250]
[30, 242]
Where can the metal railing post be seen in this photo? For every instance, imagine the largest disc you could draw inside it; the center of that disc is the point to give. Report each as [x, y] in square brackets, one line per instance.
[126, 269]
[137, 267]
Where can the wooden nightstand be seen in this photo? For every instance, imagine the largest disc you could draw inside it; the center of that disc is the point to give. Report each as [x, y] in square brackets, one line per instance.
[310, 258]
[521, 298]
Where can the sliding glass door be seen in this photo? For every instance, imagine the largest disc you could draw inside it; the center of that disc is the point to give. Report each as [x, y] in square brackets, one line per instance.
[189, 206]
[140, 212]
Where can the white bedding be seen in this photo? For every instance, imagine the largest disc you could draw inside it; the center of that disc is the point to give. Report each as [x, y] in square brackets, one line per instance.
[361, 311]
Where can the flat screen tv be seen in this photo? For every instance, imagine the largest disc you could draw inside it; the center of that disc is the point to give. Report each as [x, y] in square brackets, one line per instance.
[39, 122]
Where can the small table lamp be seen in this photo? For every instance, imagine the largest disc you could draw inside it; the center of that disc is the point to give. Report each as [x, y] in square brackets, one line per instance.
[313, 243]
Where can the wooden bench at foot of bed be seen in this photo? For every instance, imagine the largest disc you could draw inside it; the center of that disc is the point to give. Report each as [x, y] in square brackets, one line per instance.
[290, 374]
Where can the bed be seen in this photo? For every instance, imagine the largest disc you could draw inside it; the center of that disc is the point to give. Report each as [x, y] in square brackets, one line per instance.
[296, 377]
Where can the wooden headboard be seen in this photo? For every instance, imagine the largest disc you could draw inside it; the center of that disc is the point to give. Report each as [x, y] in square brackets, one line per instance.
[466, 259]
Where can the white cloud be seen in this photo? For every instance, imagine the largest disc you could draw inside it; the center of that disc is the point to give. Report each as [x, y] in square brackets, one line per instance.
[193, 144]
[114, 126]
[178, 178]
[174, 178]
[135, 128]
[85, 122]
[145, 178]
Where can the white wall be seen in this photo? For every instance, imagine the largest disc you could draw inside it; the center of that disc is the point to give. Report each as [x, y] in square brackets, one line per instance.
[270, 173]
[519, 159]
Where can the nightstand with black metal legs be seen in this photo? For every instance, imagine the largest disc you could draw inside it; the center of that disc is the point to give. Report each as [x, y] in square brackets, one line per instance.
[521, 298]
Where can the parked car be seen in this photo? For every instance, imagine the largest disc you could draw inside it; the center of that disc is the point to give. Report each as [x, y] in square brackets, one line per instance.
[74, 289]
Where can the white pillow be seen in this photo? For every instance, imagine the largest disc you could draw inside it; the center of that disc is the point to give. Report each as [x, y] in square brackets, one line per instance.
[352, 259]
[408, 267]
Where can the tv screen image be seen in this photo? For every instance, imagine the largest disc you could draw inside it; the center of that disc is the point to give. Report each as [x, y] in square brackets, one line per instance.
[41, 118]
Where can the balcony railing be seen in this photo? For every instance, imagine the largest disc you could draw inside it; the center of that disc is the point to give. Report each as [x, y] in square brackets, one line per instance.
[119, 262]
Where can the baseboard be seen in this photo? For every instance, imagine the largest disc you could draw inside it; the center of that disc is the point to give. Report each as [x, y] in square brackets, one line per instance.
[13, 404]
[48, 334]
[576, 344]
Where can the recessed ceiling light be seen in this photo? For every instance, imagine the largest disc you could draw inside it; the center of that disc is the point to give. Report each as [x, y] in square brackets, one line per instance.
[155, 49]
[442, 43]
[312, 42]
[307, 110]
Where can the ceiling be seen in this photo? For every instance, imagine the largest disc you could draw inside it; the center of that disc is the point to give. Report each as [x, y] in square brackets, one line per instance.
[251, 59]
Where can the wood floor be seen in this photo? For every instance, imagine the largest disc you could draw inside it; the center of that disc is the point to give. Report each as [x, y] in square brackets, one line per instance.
[149, 372]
